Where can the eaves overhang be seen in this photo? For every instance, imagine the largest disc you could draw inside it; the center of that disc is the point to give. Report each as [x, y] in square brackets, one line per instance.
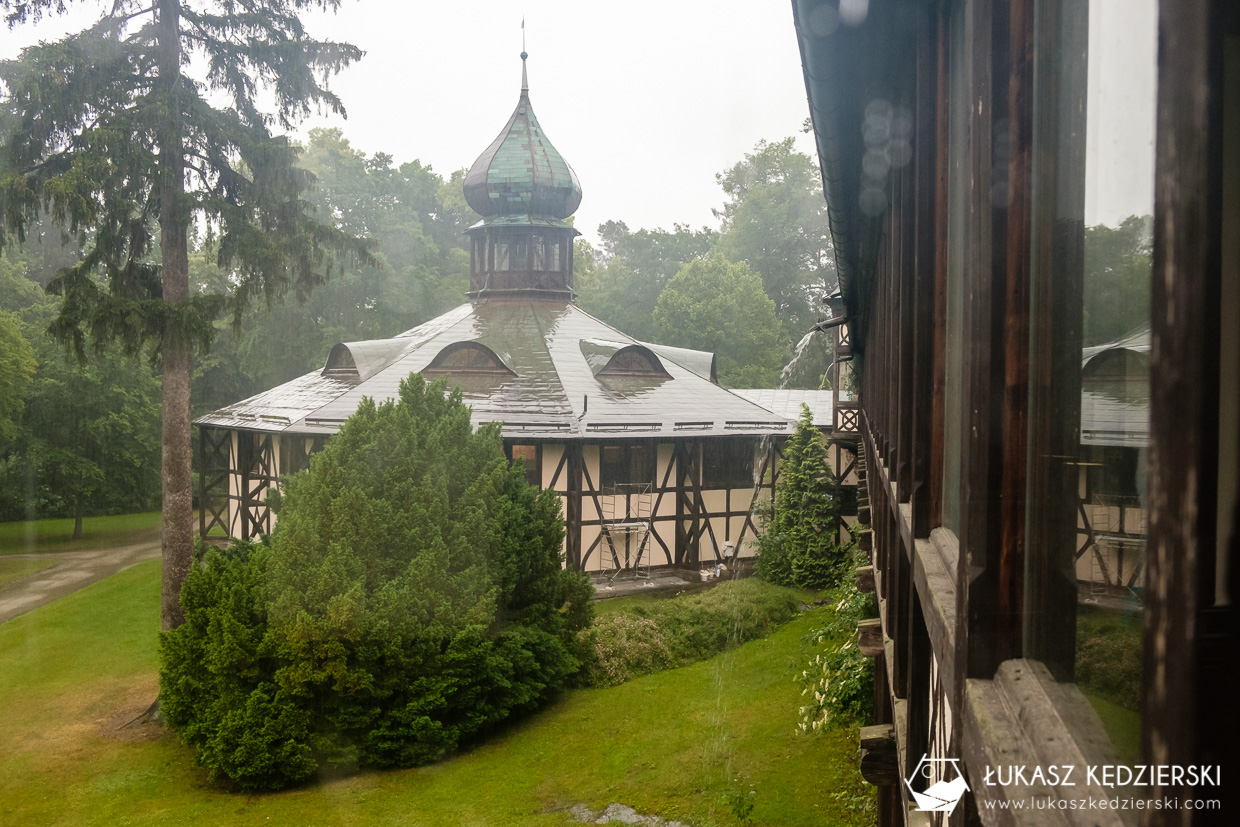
[847, 62]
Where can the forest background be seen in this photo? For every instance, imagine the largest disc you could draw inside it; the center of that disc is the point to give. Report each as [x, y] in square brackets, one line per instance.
[78, 441]
[81, 440]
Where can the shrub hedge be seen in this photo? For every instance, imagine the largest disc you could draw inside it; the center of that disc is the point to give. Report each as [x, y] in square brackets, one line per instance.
[662, 634]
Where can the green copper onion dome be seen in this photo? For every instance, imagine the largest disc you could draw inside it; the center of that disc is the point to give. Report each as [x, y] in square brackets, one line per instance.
[521, 173]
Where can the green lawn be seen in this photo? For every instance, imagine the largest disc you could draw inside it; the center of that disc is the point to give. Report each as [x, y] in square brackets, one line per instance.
[40, 536]
[674, 743]
[11, 570]
[1123, 725]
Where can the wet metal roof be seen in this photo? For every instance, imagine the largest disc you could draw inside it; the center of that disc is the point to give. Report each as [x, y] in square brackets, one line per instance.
[521, 175]
[554, 391]
[787, 403]
[1115, 411]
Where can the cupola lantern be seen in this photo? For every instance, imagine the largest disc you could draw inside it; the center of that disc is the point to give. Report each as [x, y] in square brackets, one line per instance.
[524, 190]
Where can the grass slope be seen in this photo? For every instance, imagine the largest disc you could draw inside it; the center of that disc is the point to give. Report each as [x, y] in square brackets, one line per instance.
[11, 570]
[38, 536]
[673, 743]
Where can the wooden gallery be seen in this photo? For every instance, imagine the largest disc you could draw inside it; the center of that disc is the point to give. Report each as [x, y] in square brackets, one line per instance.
[1035, 206]
[657, 464]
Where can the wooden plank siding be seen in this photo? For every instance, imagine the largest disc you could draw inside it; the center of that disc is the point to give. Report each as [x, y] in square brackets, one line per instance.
[976, 641]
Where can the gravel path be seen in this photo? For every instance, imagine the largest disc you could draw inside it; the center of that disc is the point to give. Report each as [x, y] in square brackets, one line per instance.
[71, 571]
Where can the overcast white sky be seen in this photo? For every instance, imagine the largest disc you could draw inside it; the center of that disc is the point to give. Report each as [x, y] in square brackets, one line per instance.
[1123, 83]
[649, 100]
[646, 100]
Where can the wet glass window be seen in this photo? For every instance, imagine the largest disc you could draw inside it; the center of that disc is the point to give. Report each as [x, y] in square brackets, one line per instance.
[480, 255]
[727, 464]
[529, 454]
[1089, 362]
[958, 182]
[520, 255]
[470, 358]
[539, 254]
[503, 256]
[340, 362]
[294, 456]
[626, 465]
[632, 360]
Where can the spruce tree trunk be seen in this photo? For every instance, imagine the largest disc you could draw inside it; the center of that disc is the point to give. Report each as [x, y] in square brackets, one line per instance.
[178, 517]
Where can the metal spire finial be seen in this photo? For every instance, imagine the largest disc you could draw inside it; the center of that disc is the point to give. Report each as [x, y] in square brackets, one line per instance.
[525, 84]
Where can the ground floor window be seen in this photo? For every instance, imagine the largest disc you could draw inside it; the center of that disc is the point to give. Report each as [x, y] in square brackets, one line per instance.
[626, 465]
[727, 463]
[531, 455]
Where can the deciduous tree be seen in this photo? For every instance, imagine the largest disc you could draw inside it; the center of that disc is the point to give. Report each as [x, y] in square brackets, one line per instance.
[16, 369]
[775, 220]
[1117, 279]
[718, 305]
[634, 268]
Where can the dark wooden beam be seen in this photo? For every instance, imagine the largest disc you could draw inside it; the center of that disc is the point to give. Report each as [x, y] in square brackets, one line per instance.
[1189, 710]
[1057, 247]
[573, 468]
[879, 764]
[924, 328]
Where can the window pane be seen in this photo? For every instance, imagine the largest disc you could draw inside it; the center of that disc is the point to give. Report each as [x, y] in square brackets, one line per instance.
[727, 464]
[611, 468]
[480, 255]
[529, 455]
[1089, 416]
[466, 358]
[626, 465]
[540, 253]
[630, 360]
[641, 465]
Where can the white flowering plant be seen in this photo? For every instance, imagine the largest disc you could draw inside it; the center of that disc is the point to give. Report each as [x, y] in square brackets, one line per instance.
[837, 681]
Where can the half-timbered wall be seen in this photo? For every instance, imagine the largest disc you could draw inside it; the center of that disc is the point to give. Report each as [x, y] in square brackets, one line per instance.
[691, 521]
[699, 513]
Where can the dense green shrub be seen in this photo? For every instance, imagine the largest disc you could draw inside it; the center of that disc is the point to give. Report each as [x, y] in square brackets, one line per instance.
[413, 598]
[661, 634]
[1108, 655]
[624, 647]
[800, 546]
[216, 672]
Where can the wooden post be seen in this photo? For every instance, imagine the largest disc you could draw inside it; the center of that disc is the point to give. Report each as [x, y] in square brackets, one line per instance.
[573, 526]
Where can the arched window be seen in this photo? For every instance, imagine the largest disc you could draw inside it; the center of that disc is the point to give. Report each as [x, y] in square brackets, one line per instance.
[633, 361]
[1117, 363]
[340, 363]
[467, 357]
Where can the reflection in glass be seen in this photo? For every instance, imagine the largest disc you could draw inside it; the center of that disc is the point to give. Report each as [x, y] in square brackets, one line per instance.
[1090, 374]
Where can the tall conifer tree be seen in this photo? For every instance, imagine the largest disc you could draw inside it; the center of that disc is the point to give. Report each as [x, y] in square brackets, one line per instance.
[801, 546]
[105, 132]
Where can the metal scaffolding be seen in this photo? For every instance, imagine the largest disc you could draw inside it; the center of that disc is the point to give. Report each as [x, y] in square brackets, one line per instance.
[626, 524]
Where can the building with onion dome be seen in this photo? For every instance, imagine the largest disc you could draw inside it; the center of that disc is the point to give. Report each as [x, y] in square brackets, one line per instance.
[657, 464]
